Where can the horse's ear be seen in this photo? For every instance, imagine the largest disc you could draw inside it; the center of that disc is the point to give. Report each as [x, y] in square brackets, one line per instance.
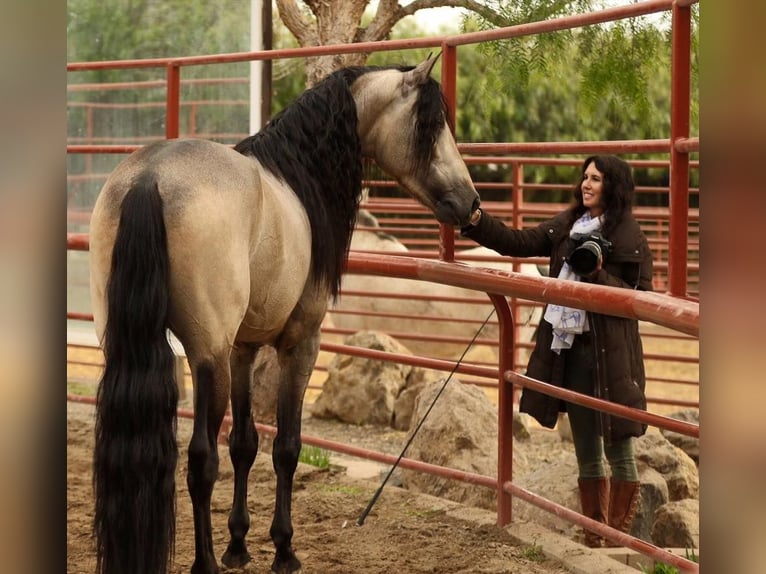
[420, 74]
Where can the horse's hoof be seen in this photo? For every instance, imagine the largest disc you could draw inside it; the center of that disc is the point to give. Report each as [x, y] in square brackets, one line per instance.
[235, 559]
[291, 566]
[201, 568]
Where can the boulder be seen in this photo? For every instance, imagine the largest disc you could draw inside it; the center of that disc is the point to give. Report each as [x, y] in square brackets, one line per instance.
[405, 402]
[654, 494]
[676, 524]
[556, 481]
[678, 469]
[521, 422]
[265, 386]
[689, 444]
[362, 391]
[460, 432]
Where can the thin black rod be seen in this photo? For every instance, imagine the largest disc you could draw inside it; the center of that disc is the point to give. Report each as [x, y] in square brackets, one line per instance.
[378, 492]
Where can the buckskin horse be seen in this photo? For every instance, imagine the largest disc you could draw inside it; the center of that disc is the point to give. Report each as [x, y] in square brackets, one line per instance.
[232, 249]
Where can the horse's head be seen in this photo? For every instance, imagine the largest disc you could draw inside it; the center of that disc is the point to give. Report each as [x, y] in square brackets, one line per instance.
[403, 126]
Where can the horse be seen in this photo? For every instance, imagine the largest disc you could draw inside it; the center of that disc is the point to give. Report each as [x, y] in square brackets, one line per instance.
[232, 250]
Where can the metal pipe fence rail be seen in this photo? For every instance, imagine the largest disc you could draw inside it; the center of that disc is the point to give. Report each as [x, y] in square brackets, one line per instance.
[678, 145]
[665, 310]
[674, 311]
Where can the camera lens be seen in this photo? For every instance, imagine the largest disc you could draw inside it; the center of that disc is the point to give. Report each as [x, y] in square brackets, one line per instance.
[584, 259]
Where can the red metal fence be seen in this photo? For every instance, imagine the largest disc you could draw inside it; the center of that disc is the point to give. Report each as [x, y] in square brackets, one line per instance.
[674, 235]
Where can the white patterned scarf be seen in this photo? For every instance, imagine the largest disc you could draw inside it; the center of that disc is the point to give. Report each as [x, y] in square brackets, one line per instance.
[568, 322]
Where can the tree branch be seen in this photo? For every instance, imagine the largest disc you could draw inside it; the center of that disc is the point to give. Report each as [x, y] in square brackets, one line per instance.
[300, 27]
[471, 5]
[390, 12]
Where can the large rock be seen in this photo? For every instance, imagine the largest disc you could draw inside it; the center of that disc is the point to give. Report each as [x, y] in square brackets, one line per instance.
[360, 390]
[556, 481]
[678, 469]
[460, 432]
[265, 386]
[654, 494]
[405, 402]
[676, 524]
[689, 444]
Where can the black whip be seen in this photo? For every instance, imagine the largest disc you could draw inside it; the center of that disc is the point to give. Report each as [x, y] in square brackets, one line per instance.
[378, 492]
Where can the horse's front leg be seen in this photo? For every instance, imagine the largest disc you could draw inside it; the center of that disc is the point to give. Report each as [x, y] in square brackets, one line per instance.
[243, 447]
[211, 392]
[296, 367]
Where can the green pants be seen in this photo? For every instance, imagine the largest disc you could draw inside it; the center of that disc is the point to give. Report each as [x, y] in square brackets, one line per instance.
[590, 447]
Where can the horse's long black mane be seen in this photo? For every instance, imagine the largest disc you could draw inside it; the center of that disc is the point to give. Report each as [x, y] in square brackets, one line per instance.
[314, 146]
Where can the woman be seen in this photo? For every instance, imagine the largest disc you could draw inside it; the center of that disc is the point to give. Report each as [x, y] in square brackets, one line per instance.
[594, 354]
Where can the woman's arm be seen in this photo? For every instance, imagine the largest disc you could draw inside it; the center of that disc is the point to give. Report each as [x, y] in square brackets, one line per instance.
[493, 233]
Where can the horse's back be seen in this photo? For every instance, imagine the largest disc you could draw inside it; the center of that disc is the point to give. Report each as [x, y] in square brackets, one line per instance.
[230, 229]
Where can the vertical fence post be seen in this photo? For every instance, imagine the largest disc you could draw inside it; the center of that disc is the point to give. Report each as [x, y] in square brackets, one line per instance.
[173, 101]
[449, 87]
[504, 409]
[680, 96]
[517, 222]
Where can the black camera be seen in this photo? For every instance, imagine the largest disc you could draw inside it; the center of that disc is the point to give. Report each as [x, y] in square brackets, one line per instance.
[587, 248]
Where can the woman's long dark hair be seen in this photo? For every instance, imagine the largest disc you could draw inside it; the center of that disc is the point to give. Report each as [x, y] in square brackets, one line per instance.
[617, 194]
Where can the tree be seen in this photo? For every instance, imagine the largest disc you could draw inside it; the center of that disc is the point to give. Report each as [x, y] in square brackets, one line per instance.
[319, 23]
[613, 63]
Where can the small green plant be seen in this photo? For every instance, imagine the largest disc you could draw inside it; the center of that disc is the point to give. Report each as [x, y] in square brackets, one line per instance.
[315, 456]
[662, 568]
[533, 552]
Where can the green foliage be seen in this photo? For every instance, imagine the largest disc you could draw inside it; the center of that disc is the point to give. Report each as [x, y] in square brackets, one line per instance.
[314, 456]
[533, 553]
[613, 73]
[603, 82]
[662, 568]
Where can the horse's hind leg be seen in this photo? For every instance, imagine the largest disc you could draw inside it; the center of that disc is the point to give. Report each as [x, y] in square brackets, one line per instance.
[212, 379]
[296, 367]
[243, 446]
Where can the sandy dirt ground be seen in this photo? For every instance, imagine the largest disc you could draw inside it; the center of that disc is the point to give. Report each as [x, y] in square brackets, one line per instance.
[404, 532]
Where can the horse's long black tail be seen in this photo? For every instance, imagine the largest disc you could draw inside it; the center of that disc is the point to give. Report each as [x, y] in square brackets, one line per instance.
[136, 450]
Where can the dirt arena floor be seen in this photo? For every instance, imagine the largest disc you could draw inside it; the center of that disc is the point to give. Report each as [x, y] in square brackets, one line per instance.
[404, 532]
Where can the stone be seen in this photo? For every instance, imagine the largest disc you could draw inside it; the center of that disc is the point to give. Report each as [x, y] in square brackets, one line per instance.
[556, 481]
[520, 425]
[678, 469]
[689, 444]
[676, 524]
[460, 432]
[265, 386]
[654, 494]
[360, 390]
[405, 402]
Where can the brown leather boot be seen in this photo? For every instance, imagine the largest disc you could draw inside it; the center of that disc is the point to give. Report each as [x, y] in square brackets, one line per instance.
[594, 498]
[623, 504]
